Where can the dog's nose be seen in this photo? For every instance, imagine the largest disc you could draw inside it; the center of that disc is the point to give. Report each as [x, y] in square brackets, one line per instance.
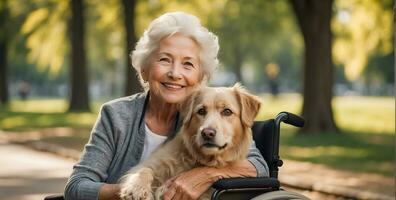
[208, 133]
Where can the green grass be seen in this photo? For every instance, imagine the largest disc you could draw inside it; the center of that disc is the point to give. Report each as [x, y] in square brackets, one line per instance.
[375, 115]
[364, 152]
[36, 114]
[365, 144]
[366, 141]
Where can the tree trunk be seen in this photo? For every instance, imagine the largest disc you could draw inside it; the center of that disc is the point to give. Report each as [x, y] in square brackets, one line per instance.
[4, 98]
[79, 100]
[314, 19]
[132, 82]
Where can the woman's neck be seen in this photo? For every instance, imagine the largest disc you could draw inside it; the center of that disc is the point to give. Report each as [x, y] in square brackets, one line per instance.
[159, 116]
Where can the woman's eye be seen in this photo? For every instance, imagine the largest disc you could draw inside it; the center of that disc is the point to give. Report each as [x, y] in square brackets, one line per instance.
[164, 60]
[226, 112]
[201, 111]
[189, 64]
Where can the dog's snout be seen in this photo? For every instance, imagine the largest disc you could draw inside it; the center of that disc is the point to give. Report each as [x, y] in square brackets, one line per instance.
[208, 133]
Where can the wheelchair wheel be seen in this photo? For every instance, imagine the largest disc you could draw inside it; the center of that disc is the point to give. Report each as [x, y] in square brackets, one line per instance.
[281, 195]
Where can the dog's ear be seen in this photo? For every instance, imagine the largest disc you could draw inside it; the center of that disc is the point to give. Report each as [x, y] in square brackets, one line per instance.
[250, 105]
[187, 106]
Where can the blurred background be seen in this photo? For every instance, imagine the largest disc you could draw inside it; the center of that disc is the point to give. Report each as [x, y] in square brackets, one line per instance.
[331, 62]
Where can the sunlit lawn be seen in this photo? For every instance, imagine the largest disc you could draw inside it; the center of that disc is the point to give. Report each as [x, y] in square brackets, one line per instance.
[365, 144]
[33, 114]
[366, 141]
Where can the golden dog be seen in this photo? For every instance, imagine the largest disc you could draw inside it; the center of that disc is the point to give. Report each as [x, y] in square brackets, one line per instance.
[216, 132]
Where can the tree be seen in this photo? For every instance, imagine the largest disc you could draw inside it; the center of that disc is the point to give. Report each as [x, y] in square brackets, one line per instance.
[314, 19]
[79, 99]
[4, 13]
[132, 82]
[363, 31]
[46, 30]
[254, 34]
[241, 27]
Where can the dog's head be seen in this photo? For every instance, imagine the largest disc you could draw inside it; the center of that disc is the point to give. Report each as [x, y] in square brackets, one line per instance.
[216, 124]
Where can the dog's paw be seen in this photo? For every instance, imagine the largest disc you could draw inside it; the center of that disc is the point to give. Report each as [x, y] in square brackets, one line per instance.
[136, 192]
[136, 188]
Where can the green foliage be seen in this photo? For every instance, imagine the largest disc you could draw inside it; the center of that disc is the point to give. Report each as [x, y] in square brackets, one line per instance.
[255, 33]
[380, 68]
[46, 28]
[258, 33]
[362, 29]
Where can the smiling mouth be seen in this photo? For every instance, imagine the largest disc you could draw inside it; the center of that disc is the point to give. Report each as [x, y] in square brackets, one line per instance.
[171, 86]
[213, 145]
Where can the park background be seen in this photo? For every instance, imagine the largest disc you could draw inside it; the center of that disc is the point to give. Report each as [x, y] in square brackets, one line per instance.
[331, 62]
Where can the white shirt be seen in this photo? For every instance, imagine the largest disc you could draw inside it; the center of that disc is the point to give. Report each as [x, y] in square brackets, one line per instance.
[151, 142]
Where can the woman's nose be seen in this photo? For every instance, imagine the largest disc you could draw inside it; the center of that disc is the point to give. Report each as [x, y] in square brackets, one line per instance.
[174, 72]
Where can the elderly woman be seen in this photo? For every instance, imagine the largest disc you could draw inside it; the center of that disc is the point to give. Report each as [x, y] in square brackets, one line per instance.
[175, 55]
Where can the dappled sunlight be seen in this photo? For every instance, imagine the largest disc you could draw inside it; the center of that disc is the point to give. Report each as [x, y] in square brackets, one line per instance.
[365, 114]
[378, 139]
[355, 151]
[353, 159]
[14, 121]
[46, 43]
[33, 114]
[325, 151]
[39, 105]
[46, 120]
[271, 106]
[352, 113]
[360, 33]
[83, 119]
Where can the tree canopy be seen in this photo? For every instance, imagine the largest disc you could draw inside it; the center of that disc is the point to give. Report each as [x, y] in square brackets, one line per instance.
[251, 36]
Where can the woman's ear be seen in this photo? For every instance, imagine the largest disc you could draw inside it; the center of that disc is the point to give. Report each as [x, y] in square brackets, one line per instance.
[143, 73]
[250, 105]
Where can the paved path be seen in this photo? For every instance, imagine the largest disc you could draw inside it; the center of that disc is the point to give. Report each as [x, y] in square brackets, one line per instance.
[350, 185]
[28, 174]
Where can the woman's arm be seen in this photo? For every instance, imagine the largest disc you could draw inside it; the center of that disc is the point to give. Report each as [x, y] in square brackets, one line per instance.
[90, 172]
[192, 184]
[254, 156]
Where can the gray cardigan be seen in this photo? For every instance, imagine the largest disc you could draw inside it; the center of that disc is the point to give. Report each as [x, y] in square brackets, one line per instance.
[116, 145]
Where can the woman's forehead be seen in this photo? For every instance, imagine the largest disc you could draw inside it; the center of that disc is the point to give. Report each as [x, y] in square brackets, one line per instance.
[180, 45]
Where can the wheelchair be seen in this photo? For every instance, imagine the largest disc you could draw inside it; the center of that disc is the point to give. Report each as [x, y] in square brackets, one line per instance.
[266, 135]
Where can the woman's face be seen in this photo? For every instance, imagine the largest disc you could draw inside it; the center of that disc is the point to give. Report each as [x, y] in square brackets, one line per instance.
[174, 69]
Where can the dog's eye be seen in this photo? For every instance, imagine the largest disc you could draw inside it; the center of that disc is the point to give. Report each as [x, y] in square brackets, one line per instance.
[226, 112]
[201, 111]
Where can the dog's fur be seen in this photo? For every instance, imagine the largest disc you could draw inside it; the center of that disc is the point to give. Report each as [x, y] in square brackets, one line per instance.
[203, 112]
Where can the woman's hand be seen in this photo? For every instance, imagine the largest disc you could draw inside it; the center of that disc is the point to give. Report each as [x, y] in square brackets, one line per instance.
[192, 184]
[109, 191]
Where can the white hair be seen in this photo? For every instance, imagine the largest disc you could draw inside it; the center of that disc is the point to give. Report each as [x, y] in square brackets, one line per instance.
[169, 24]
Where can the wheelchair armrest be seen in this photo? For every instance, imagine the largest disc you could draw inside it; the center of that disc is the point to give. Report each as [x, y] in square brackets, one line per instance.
[54, 197]
[243, 188]
[239, 183]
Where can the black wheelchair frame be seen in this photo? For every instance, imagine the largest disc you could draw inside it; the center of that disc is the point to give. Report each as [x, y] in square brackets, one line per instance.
[266, 135]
